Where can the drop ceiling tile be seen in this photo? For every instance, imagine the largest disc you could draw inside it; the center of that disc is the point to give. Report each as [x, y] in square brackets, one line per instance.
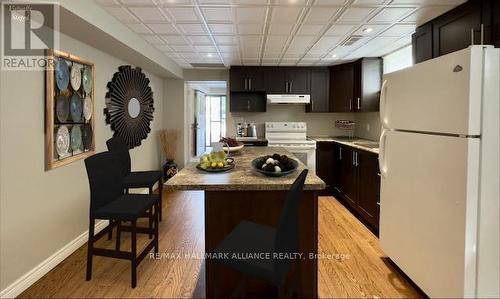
[307, 29]
[251, 62]
[221, 28]
[235, 55]
[162, 28]
[106, 2]
[140, 28]
[312, 56]
[226, 39]
[325, 43]
[288, 62]
[307, 61]
[192, 28]
[320, 15]
[338, 29]
[218, 14]
[200, 39]
[148, 14]
[174, 39]
[399, 30]
[250, 14]
[164, 48]
[253, 2]
[285, 14]
[300, 42]
[355, 14]
[214, 2]
[290, 2]
[330, 2]
[426, 13]
[368, 2]
[137, 2]
[205, 49]
[227, 49]
[250, 28]
[293, 55]
[270, 61]
[153, 39]
[275, 43]
[122, 14]
[276, 28]
[182, 48]
[390, 14]
[184, 14]
[370, 30]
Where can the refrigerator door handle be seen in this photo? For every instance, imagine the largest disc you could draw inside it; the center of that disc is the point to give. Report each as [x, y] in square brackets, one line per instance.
[381, 155]
[383, 92]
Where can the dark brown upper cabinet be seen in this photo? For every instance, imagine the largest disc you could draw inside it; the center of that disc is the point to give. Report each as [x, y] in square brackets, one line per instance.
[244, 101]
[320, 90]
[355, 86]
[422, 43]
[474, 22]
[247, 79]
[291, 80]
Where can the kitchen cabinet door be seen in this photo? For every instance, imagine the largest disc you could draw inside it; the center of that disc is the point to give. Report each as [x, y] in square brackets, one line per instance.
[369, 187]
[367, 84]
[237, 79]
[276, 80]
[255, 79]
[247, 102]
[325, 156]
[457, 29]
[342, 87]
[349, 180]
[422, 43]
[320, 86]
[298, 80]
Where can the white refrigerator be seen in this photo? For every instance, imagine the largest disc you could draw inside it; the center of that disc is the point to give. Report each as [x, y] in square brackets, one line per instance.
[439, 165]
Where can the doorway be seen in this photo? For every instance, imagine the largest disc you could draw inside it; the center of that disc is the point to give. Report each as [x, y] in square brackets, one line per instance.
[208, 115]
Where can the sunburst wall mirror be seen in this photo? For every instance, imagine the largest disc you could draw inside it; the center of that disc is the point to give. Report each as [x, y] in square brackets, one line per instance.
[129, 105]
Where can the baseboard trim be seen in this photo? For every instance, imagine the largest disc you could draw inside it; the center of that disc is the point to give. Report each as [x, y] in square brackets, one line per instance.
[32, 276]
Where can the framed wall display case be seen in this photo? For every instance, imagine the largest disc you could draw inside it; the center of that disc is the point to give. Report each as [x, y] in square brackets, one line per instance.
[69, 109]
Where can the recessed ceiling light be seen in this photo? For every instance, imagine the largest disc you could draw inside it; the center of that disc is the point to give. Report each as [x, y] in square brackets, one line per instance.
[368, 29]
[209, 55]
[334, 55]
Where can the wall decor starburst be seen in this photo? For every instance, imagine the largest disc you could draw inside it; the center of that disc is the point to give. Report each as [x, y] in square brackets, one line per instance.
[129, 105]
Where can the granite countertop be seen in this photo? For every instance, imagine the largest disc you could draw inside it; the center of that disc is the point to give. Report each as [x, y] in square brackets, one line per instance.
[242, 177]
[355, 142]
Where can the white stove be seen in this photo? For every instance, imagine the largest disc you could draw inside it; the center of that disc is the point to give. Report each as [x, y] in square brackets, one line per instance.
[293, 137]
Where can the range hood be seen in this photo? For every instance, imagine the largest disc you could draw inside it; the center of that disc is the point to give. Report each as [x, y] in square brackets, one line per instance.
[288, 99]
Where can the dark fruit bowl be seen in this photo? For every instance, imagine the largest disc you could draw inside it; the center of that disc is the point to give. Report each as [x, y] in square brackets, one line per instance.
[261, 160]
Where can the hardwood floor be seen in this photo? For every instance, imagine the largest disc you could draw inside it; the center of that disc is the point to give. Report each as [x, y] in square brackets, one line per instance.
[355, 266]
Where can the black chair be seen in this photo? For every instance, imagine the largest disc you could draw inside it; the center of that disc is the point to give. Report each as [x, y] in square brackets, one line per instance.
[251, 238]
[134, 179]
[108, 202]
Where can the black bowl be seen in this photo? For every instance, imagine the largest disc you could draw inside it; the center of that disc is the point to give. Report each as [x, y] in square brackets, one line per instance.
[260, 160]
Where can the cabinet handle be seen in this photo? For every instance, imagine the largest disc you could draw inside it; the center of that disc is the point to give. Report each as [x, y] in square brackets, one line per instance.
[340, 153]
[350, 104]
[249, 84]
[290, 87]
[248, 105]
[359, 103]
[353, 158]
[246, 84]
[482, 34]
[472, 36]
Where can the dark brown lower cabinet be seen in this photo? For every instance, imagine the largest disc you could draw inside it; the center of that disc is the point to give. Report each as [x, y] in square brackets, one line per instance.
[355, 180]
[324, 163]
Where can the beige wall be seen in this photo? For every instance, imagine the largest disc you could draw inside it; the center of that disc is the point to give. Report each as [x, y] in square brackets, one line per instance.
[368, 125]
[174, 114]
[42, 211]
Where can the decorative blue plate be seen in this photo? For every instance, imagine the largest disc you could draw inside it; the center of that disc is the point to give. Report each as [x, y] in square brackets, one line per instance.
[62, 108]
[76, 108]
[61, 72]
[76, 138]
[87, 79]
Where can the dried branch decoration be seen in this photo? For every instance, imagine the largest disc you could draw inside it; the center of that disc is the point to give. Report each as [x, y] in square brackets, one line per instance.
[168, 140]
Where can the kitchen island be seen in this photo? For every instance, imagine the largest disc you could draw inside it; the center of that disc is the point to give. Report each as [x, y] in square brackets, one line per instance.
[244, 194]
